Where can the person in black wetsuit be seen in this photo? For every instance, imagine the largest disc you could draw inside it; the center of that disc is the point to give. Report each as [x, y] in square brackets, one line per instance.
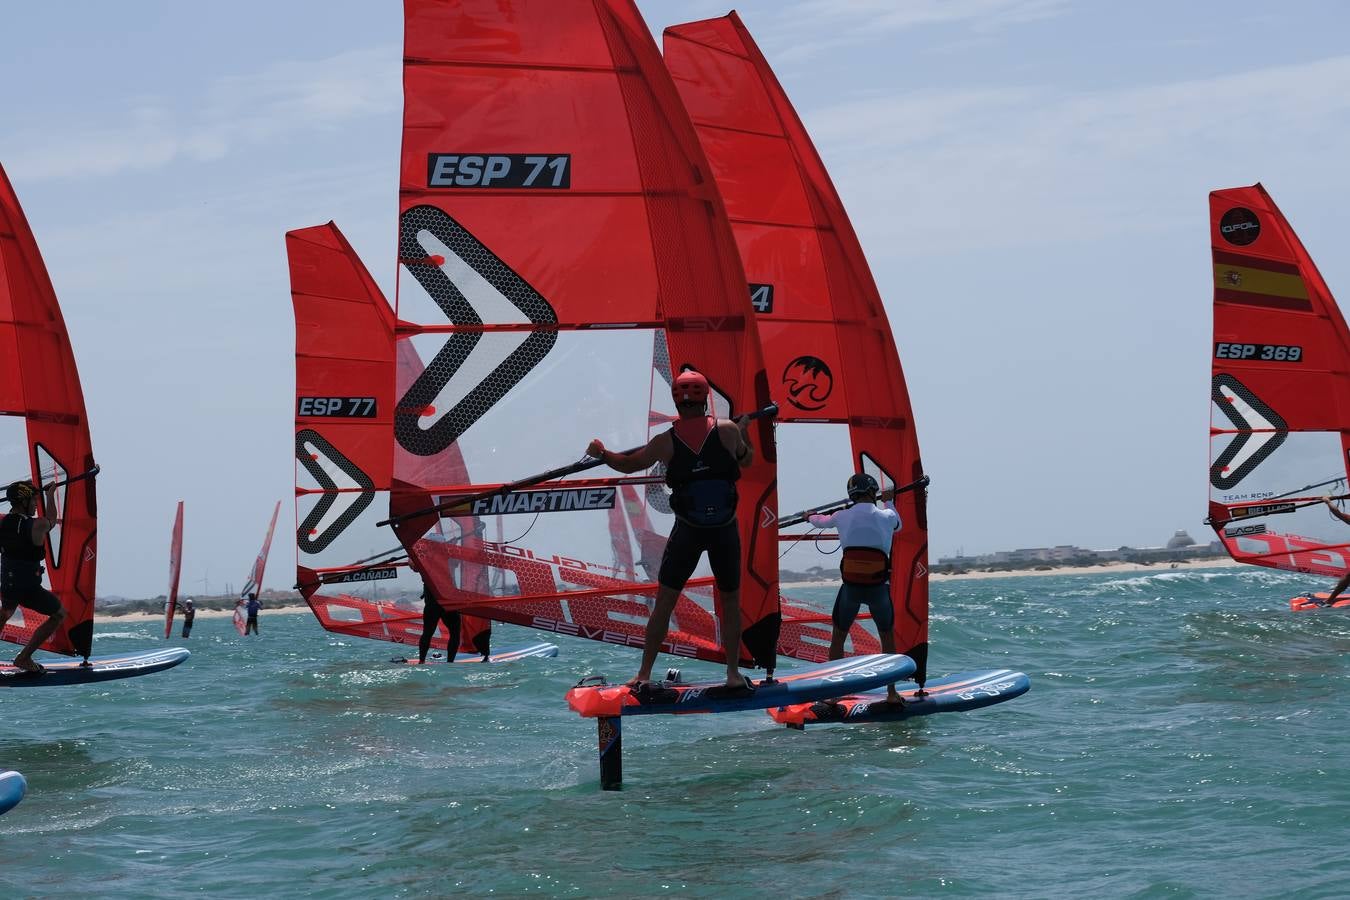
[23, 540]
[189, 613]
[433, 613]
[703, 457]
[251, 608]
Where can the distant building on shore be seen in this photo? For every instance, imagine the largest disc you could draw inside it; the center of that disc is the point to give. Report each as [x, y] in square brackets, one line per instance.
[1181, 546]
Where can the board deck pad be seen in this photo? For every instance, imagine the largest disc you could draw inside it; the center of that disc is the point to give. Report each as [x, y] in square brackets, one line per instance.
[530, 650]
[833, 679]
[1305, 602]
[954, 693]
[12, 789]
[100, 668]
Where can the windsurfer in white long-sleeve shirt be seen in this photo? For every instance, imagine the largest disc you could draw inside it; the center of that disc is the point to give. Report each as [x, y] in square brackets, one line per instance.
[866, 532]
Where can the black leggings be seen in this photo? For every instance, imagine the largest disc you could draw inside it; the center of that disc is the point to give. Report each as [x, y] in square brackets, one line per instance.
[432, 613]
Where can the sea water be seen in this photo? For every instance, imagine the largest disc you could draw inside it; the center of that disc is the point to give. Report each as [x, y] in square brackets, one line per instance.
[1185, 735]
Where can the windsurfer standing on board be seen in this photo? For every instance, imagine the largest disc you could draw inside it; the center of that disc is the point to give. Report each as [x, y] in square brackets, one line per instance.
[23, 541]
[189, 613]
[1345, 580]
[252, 607]
[866, 532]
[703, 458]
[433, 614]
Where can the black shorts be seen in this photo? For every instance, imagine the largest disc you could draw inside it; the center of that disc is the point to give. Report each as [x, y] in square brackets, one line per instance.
[687, 544]
[34, 597]
[852, 597]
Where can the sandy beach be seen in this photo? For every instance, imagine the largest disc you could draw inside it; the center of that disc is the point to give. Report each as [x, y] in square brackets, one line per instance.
[201, 614]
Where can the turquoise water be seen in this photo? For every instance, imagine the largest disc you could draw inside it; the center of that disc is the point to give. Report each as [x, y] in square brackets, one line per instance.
[1184, 736]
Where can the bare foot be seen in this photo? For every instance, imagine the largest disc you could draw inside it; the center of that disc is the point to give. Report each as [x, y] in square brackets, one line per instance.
[738, 682]
[894, 699]
[26, 664]
[638, 680]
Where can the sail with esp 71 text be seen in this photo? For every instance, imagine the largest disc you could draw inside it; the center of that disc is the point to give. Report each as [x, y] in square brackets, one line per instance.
[556, 212]
[828, 345]
[46, 429]
[1279, 393]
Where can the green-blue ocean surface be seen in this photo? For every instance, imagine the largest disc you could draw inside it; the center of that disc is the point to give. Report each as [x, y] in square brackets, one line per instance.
[1185, 735]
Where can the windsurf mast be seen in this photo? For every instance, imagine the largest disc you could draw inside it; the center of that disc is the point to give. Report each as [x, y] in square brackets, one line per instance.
[1280, 396]
[175, 568]
[40, 386]
[828, 345]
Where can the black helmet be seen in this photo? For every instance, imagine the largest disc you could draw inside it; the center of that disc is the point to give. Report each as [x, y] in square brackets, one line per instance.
[862, 484]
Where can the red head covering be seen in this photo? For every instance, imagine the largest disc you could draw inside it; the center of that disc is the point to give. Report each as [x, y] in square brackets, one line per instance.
[689, 387]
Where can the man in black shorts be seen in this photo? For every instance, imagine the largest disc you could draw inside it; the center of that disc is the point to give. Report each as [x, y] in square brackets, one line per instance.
[703, 458]
[23, 541]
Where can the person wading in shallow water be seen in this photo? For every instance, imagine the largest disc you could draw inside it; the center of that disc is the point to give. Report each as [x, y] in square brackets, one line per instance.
[703, 458]
[23, 541]
[866, 532]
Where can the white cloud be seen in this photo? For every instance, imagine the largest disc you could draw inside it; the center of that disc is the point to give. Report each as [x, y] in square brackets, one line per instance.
[1057, 161]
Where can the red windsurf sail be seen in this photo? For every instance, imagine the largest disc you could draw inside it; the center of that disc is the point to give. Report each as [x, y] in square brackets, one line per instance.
[345, 352]
[175, 568]
[1280, 399]
[555, 213]
[255, 576]
[47, 428]
[828, 346]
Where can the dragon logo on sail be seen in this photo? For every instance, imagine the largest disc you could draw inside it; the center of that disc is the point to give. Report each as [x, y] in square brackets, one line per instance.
[1260, 432]
[453, 301]
[809, 383]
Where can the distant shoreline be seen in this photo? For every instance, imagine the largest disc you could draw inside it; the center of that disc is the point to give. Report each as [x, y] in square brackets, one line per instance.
[138, 616]
[1113, 568]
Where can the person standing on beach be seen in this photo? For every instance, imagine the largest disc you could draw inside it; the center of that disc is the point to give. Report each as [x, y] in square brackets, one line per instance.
[251, 608]
[23, 542]
[866, 532]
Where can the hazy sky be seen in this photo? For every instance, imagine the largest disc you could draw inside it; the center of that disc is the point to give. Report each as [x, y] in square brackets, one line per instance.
[1029, 178]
